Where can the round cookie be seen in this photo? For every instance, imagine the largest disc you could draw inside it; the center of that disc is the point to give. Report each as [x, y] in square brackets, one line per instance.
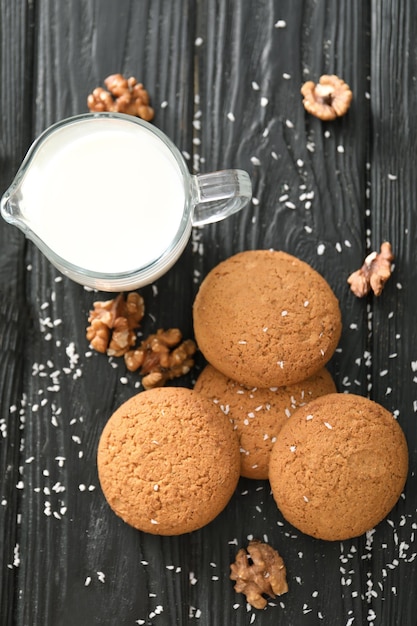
[266, 319]
[259, 414]
[338, 467]
[168, 461]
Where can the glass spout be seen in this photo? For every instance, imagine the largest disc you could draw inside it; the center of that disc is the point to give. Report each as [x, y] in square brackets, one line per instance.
[10, 207]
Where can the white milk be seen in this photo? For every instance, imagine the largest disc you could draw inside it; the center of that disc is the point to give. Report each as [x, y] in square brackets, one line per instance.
[107, 197]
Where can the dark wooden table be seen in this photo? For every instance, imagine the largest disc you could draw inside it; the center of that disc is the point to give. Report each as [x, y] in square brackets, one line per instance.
[224, 78]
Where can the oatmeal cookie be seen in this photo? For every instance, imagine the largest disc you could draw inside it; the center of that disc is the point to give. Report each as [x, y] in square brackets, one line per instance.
[168, 461]
[266, 319]
[338, 466]
[259, 414]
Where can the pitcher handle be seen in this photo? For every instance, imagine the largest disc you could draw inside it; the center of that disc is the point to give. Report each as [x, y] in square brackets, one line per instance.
[220, 194]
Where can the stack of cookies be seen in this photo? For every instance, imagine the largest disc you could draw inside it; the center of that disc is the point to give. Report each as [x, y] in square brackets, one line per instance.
[265, 407]
[267, 323]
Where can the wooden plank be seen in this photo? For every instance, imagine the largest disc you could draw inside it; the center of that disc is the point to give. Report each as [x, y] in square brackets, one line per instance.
[83, 557]
[393, 196]
[310, 183]
[15, 133]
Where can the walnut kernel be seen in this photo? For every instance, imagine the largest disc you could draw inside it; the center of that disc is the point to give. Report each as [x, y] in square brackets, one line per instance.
[122, 339]
[98, 335]
[113, 323]
[328, 99]
[123, 95]
[374, 272]
[161, 357]
[259, 571]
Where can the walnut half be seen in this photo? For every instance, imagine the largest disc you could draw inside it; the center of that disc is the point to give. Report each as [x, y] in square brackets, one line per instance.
[113, 323]
[124, 95]
[161, 357]
[374, 272]
[328, 99]
[259, 571]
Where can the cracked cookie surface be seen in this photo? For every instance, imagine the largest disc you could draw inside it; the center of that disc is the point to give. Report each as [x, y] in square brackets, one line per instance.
[168, 462]
[265, 318]
[259, 414]
[339, 466]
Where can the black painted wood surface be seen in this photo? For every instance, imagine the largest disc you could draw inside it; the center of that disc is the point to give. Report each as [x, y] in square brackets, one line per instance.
[224, 78]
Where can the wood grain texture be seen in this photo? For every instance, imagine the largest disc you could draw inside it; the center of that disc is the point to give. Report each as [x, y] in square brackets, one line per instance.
[15, 128]
[392, 205]
[224, 78]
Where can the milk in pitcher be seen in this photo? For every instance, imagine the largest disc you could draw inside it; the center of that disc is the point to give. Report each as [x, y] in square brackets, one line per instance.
[107, 199]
